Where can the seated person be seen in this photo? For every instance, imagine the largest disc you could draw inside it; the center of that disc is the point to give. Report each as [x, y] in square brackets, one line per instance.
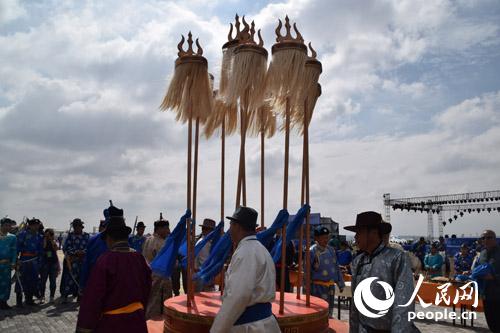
[433, 262]
[463, 260]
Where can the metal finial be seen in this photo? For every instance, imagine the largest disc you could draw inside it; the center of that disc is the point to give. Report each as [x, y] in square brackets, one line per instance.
[190, 43]
[180, 45]
[230, 34]
[288, 28]
[261, 41]
[278, 31]
[299, 36]
[313, 52]
[200, 50]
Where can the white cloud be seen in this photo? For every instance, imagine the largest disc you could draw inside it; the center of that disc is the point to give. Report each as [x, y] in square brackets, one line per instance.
[81, 85]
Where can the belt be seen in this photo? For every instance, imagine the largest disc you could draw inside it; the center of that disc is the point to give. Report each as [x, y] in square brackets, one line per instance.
[324, 283]
[4, 261]
[28, 254]
[132, 307]
[255, 312]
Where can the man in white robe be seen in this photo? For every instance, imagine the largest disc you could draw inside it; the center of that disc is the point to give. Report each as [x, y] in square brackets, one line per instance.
[250, 282]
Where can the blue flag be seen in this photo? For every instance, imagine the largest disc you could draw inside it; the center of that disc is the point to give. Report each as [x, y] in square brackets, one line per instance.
[266, 236]
[198, 247]
[214, 263]
[291, 230]
[164, 261]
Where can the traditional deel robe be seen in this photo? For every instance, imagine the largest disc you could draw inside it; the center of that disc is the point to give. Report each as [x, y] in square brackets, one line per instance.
[161, 288]
[250, 287]
[72, 265]
[8, 255]
[325, 273]
[96, 246]
[136, 242]
[393, 267]
[433, 263]
[116, 293]
[30, 248]
[462, 264]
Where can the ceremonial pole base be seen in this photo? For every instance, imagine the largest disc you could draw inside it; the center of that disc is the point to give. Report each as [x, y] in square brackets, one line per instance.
[297, 318]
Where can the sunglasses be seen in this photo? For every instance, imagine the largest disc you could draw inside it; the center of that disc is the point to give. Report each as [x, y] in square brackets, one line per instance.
[487, 237]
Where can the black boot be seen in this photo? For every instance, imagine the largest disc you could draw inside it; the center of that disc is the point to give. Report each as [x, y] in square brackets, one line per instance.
[19, 300]
[4, 305]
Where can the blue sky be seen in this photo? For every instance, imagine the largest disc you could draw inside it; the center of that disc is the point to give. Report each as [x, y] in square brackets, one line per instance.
[410, 106]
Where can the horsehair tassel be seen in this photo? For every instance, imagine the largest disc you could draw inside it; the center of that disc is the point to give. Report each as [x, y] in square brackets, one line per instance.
[189, 93]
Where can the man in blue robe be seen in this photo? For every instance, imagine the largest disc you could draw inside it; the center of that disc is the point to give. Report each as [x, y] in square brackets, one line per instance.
[8, 256]
[74, 250]
[95, 247]
[325, 270]
[137, 241]
[30, 248]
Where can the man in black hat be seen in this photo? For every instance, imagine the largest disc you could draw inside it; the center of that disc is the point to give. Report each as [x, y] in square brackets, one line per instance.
[30, 248]
[162, 287]
[74, 249]
[250, 284]
[118, 288]
[325, 270]
[137, 241]
[388, 265]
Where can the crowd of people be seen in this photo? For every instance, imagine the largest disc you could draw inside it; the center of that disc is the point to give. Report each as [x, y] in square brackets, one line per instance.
[109, 273]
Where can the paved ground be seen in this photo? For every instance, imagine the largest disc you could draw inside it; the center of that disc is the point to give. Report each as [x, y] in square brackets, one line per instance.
[61, 318]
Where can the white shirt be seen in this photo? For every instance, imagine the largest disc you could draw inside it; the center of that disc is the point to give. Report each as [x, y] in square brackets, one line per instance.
[250, 279]
[202, 255]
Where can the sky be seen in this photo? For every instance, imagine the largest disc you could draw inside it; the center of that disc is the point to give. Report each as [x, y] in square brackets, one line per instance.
[410, 107]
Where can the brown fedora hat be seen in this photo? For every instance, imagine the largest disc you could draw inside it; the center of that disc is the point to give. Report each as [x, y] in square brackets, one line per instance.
[370, 220]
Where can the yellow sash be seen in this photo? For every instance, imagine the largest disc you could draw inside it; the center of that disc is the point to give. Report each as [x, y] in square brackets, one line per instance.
[132, 307]
[324, 283]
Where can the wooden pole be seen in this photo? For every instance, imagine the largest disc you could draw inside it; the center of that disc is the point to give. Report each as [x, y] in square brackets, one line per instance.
[195, 190]
[243, 160]
[223, 161]
[240, 171]
[302, 198]
[308, 216]
[285, 206]
[188, 225]
[262, 164]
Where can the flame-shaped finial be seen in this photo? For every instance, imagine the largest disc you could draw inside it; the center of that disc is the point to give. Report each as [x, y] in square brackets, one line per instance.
[190, 43]
[261, 41]
[252, 30]
[237, 25]
[313, 52]
[189, 51]
[179, 46]
[288, 34]
[230, 34]
[200, 50]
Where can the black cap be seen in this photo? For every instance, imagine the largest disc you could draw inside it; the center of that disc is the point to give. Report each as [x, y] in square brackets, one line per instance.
[113, 211]
[77, 221]
[140, 225]
[33, 221]
[161, 223]
[370, 220]
[116, 228]
[320, 231]
[245, 216]
[6, 220]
